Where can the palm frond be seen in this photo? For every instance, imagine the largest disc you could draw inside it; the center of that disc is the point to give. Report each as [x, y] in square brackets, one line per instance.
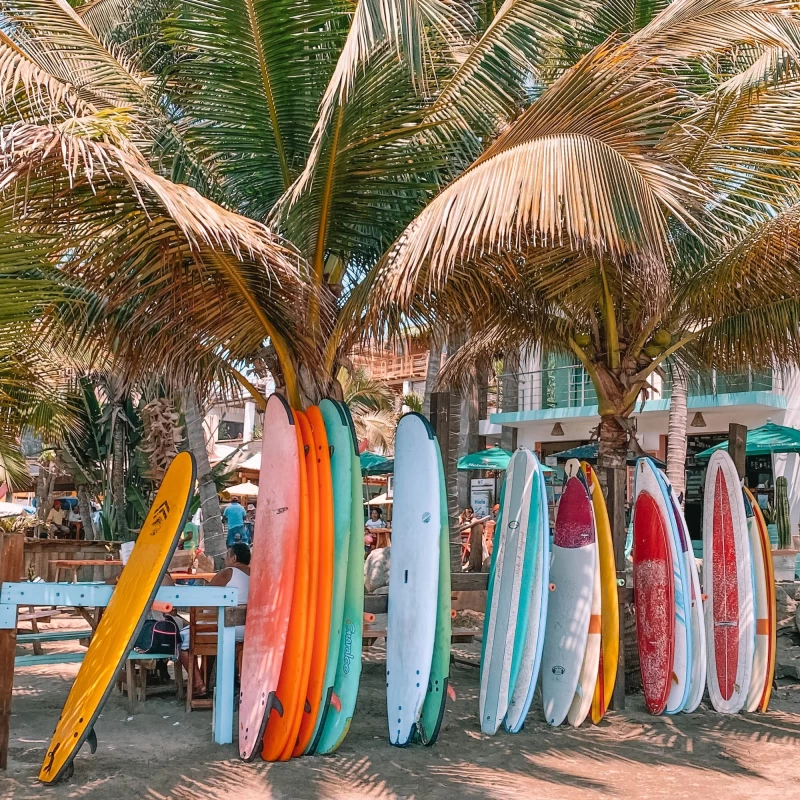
[250, 74]
[580, 167]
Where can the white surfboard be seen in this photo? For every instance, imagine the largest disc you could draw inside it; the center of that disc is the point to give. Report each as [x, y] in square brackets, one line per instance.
[697, 682]
[761, 652]
[414, 576]
[530, 667]
[582, 701]
[728, 583]
[509, 597]
[682, 660]
[572, 576]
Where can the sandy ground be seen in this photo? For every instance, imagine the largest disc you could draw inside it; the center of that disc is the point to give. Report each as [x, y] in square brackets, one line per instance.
[162, 752]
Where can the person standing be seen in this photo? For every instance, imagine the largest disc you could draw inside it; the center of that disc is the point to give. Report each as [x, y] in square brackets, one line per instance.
[250, 521]
[235, 515]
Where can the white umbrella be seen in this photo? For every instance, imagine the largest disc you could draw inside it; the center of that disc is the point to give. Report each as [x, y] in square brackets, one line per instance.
[245, 489]
[380, 500]
[254, 463]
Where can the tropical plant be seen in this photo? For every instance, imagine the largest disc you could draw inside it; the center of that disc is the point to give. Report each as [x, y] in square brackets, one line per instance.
[371, 405]
[642, 209]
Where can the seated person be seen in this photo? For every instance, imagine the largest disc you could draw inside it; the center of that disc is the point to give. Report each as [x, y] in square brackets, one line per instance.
[375, 521]
[235, 573]
[55, 520]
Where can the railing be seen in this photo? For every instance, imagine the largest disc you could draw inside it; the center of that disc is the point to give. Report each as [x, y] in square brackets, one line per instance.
[388, 367]
[571, 387]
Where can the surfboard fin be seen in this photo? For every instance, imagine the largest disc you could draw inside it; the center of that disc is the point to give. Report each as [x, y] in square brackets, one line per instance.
[91, 739]
[451, 692]
[307, 707]
[675, 679]
[277, 705]
[336, 702]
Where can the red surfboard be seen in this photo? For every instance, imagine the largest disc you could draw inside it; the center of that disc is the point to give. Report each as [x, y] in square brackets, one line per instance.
[654, 593]
[726, 591]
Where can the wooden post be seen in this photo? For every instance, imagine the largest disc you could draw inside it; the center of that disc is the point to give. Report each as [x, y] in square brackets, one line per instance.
[11, 565]
[617, 482]
[441, 413]
[737, 446]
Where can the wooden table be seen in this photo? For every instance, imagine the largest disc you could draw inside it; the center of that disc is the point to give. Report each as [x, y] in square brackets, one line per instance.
[384, 537]
[73, 565]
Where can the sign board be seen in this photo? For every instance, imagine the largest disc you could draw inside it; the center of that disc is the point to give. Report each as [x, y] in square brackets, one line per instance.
[481, 496]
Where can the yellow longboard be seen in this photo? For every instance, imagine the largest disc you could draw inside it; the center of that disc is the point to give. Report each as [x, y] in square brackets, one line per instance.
[123, 618]
[609, 619]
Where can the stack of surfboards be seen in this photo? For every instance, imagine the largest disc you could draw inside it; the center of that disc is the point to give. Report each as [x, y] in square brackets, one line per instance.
[740, 614]
[669, 605]
[419, 626]
[301, 660]
[581, 646]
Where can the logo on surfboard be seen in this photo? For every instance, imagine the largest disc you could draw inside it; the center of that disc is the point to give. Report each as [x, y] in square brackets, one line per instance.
[160, 515]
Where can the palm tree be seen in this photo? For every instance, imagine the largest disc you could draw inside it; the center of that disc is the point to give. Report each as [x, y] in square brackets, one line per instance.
[642, 209]
[337, 124]
[371, 405]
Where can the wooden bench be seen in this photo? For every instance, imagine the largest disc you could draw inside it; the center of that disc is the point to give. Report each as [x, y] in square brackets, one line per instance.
[460, 635]
[53, 636]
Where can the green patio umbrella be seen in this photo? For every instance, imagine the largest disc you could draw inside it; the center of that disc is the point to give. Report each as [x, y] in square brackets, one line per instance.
[375, 464]
[763, 441]
[492, 458]
[589, 453]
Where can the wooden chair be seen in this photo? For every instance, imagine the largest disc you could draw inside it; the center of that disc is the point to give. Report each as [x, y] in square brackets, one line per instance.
[202, 644]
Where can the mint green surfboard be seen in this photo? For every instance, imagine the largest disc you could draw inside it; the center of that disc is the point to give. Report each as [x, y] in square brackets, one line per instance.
[348, 667]
[435, 701]
[337, 428]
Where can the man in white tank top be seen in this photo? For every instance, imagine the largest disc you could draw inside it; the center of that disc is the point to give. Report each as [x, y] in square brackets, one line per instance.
[235, 573]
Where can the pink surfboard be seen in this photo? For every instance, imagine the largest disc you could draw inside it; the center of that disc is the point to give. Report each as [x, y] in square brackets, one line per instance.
[654, 590]
[272, 573]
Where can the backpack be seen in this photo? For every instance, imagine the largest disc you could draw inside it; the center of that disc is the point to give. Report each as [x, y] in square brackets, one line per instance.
[158, 637]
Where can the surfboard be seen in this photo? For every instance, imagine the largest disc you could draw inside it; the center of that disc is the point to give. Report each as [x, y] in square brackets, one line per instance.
[728, 578]
[682, 655]
[654, 588]
[572, 575]
[508, 605]
[587, 682]
[762, 643]
[122, 620]
[348, 667]
[290, 689]
[609, 615]
[272, 572]
[340, 447]
[531, 661]
[697, 682]
[414, 576]
[430, 721]
[324, 583]
[772, 615]
[310, 577]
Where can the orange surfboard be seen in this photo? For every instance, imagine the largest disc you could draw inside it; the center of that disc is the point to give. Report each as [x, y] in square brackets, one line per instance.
[291, 688]
[324, 588]
[272, 573]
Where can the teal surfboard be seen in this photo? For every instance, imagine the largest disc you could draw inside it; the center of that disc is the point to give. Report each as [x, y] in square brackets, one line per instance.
[337, 429]
[508, 603]
[436, 698]
[348, 667]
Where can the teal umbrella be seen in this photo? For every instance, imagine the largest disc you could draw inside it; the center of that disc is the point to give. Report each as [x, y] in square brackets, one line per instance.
[763, 441]
[589, 453]
[375, 464]
[492, 458]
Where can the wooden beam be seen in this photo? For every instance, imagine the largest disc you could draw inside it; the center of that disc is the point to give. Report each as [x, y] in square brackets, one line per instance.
[11, 565]
[737, 446]
[459, 582]
[617, 484]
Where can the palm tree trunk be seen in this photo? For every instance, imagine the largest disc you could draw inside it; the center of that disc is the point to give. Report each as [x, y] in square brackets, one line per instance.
[213, 532]
[676, 434]
[85, 509]
[431, 373]
[118, 476]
